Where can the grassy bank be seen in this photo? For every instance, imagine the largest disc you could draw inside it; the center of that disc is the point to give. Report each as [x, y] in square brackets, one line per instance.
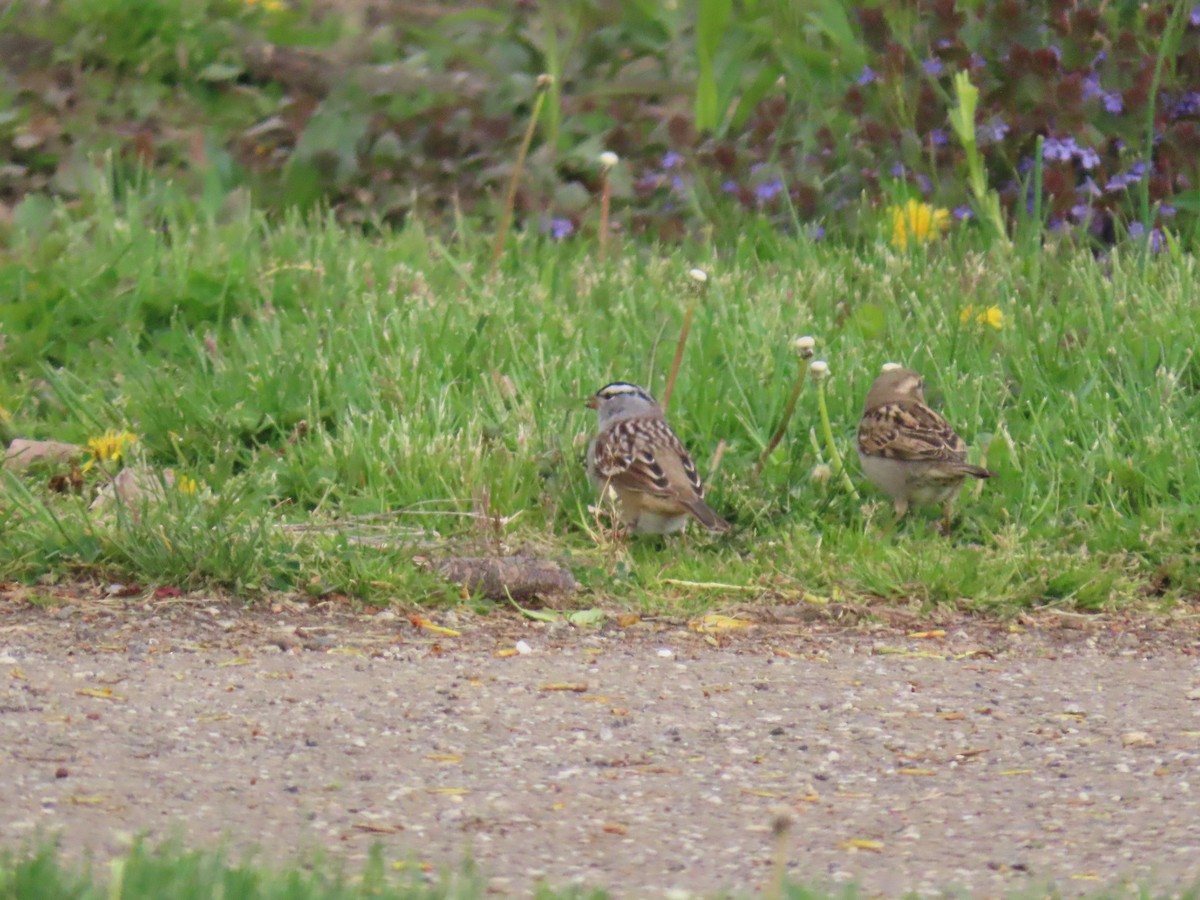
[301, 373]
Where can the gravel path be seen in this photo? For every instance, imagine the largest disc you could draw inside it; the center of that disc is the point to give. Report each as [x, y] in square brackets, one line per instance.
[643, 758]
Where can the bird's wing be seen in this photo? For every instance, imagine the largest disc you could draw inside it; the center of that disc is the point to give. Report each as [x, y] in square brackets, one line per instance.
[906, 430]
[644, 455]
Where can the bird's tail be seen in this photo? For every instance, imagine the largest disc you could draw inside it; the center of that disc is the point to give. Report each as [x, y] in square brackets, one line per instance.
[706, 517]
[976, 471]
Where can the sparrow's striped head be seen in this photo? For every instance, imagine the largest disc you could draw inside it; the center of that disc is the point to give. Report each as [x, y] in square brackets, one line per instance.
[622, 400]
[619, 390]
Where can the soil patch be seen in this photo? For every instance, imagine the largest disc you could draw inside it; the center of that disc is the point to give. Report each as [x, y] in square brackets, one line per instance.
[641, 758]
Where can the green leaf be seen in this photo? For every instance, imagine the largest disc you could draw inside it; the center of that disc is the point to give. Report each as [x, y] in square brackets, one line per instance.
[219, 71]
[586, 616]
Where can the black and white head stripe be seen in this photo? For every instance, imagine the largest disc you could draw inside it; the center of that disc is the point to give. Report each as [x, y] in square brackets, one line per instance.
[623, 389]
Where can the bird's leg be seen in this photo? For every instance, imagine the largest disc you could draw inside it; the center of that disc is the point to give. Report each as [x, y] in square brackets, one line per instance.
[947, 517]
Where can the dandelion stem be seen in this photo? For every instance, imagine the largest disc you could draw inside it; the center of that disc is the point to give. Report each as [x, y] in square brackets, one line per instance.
[510, 198]
[702, 281]
[835, 457]
[678, 360]
[788, 412]
[605, 197]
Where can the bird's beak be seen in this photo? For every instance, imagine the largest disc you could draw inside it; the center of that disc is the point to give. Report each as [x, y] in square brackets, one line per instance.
[592, 402]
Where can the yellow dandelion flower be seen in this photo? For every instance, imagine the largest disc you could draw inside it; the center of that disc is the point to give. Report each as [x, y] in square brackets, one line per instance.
[917, 223]
[109, 446]
[186, 484]
[993, 316]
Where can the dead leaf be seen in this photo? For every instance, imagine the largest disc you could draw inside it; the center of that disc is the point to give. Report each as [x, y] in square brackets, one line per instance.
[624, 620]
[87, 799]
[577, 687]
[377, 828]
[715, 622]
[99, 694]
[862, 844]
[925, 635]
[421, 622]
[614, 828]
[443, 758]
[916, 771]
[451, 791]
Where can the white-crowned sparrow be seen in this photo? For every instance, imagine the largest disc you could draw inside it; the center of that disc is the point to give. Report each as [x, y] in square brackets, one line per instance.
[909, 451]
[636, 453]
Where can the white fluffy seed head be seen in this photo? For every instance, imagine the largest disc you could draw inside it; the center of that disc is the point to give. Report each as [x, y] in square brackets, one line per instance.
[608, 159]
[803, 346]
[698, 275]
[821, 473]
[819, 369]
[889, 367]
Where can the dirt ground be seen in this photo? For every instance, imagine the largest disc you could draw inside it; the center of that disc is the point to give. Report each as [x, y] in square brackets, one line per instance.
[640, 756]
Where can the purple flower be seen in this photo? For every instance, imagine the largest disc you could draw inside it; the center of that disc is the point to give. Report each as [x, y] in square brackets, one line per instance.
[729, 186]
[1137, 231]
[868, 75]
[897, 170]
[671, 159]
[1056, 223]
[1080, 212]
[1194, 17]
[976, 61]
[1025, 165]
[1122, 180]
[678, 184]
[1059, 149]
[924, 184]
[1113, 102]
[938, 138]
[1053, 48]
[1088, 158]
[933, 66]
[768, 190]
[1088, 187]
[1166, 210]
[1091, 86]
[1099, 58]
[992, 131]
[1187, 105]
[962, 213]
[944, 43]
[559, 228]
[816, 232]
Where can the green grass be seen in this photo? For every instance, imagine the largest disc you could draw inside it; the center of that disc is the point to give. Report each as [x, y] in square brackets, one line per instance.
[300, 372]
[169, 870]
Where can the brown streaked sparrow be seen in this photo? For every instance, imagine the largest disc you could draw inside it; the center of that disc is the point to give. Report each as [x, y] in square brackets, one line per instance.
[909, 451]
[636, 453]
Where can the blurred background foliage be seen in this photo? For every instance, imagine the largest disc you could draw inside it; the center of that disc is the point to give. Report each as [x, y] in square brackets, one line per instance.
[805, 115]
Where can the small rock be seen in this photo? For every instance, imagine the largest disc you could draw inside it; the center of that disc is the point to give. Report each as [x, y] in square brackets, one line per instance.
[1137, 739]
[22, 453]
